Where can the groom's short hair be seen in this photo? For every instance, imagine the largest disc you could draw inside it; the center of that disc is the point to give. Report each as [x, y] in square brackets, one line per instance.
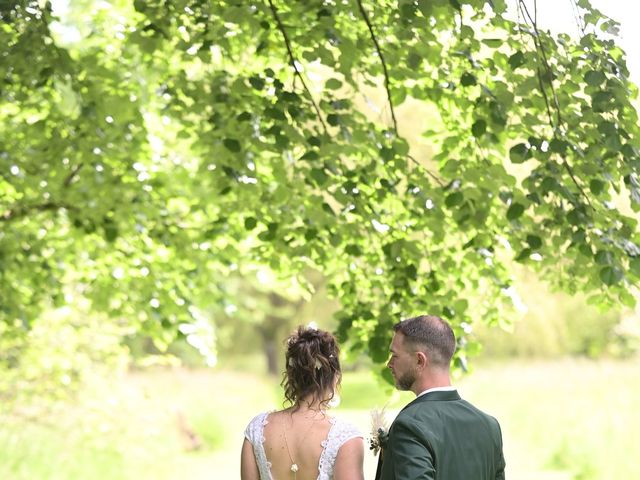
[431, 334]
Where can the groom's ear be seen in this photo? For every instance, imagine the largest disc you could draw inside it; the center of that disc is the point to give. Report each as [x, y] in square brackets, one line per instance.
[423, 361]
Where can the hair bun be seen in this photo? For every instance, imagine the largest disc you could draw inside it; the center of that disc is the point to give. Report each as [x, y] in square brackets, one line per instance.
[312, 363]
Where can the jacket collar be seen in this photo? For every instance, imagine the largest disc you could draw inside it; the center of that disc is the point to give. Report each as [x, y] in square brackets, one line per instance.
[437, 396]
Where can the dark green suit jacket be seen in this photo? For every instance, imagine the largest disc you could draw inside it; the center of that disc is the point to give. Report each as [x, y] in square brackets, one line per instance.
[440, 436]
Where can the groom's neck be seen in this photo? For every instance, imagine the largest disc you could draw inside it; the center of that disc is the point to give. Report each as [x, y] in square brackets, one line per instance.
[431, 379]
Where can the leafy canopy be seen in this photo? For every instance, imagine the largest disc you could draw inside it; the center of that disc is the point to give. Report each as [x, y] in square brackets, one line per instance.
[150, 148]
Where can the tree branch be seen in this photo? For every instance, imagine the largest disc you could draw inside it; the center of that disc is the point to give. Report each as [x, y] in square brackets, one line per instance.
[293, 62]
[72, 175]
[387, 84]
[21, 211]
[578, 17]
[540, 49]
[546, 98]
[426, 170]
[382, 61]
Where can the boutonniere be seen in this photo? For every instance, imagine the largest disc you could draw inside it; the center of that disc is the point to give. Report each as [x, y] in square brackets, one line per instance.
[379, 430]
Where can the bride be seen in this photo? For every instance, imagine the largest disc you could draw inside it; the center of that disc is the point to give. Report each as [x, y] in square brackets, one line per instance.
[303, 442]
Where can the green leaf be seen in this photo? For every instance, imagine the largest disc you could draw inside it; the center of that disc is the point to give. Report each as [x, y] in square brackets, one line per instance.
[243, 117]
[231, 144]
[401, 147]
[468, 79]
[335, 240]
[596, 186]
[558, 146]
[319, 176]
[327, 208]
[604, 257]
[498, 116]
[493, 42]
[387, 153]
[333, 84]
[516, 60]
[310, 234]
[479, 128]
[414, 60]
[270, 233]
[110, 232]
[425, 7]
[250, 223]
[594, 78]
[519, 153]
[549, 184]
[411, 272]
[524, 255]
[534, 241]
[314, 141]
[627, 299]
[333, 119]
[398, 95]
[282, 142]
[601, 101]
[408, 11]
[585, 249]
[611, 275]
[275, 114]
[454, 199]
[353, 250]
[515, 211]
[385, 373]
[310, 155]
[607, 128]
[576, 217]
[257, 82]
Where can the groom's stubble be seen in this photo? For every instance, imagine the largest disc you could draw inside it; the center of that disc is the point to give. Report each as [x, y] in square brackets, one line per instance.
[405, 381]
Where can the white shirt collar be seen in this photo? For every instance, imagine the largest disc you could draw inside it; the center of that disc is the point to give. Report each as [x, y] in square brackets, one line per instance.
[448, 388]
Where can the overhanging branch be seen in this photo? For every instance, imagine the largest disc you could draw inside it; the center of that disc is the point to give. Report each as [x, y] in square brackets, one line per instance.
[383, 63]
[292, 60]
[72, 175]
[23, 210]
[549, 73]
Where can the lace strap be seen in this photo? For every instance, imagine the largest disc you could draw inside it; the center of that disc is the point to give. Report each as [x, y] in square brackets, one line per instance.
[255, 428]
[339, 433]
[255, 434]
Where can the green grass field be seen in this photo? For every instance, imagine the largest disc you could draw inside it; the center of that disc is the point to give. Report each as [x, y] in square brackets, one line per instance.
[561, 420]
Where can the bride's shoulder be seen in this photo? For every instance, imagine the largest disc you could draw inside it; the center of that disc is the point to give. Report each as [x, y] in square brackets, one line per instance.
[260, 419]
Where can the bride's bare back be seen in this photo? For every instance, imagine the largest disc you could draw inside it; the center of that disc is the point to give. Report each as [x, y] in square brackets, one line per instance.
[295, 439]
[325, 449]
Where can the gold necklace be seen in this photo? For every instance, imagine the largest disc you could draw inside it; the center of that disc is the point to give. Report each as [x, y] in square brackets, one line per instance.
[294, 466]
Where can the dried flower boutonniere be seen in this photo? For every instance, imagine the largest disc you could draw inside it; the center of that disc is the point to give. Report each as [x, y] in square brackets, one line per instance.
[379, 431]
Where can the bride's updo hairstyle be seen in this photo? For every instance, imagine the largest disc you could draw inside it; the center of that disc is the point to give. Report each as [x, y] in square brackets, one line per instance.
[312, 367]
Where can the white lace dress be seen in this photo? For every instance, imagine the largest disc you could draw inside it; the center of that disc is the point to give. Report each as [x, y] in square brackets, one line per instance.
[339, 433]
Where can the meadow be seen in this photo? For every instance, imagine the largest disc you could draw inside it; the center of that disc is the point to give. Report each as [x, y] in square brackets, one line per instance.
[561, 420]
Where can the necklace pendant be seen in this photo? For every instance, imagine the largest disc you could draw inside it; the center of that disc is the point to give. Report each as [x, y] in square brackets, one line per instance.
[294, 467]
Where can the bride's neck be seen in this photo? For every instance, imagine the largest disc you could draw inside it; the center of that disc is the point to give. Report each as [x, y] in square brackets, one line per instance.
[309, 407]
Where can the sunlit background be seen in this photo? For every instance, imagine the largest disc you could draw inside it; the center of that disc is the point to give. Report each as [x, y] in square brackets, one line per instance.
[560, 17]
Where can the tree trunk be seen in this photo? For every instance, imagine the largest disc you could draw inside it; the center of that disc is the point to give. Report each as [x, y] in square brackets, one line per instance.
[271, 353]
[276, 326]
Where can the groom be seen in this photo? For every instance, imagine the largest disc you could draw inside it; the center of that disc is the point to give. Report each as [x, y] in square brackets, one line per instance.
[438, 435]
